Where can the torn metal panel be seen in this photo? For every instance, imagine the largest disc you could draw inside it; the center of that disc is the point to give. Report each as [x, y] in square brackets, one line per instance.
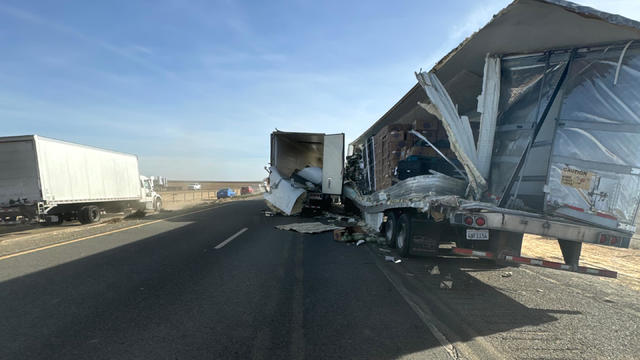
[309, 228]
[488, 102]
[282, 196]
[457, 128]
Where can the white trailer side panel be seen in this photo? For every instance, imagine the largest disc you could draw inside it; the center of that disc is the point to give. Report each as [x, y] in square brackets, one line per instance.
[18, 172]
[72, 173]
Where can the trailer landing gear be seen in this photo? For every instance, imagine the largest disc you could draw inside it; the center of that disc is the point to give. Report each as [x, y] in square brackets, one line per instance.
[570, 251]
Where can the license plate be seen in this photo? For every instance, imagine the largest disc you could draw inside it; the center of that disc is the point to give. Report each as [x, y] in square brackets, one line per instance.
[477, 234]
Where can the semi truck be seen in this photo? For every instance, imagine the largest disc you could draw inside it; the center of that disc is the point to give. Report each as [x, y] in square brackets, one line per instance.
[49, 181]
[531, 125]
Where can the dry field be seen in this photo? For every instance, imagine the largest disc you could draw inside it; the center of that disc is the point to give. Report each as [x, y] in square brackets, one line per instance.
[625, 261]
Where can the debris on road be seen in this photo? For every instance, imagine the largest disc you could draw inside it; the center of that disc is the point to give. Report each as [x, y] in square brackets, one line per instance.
[384, 250]
[268, 213]
[446, 284]
[392, 259]
[507, 274]
[435, 270]
[309, 228]
[360, 242]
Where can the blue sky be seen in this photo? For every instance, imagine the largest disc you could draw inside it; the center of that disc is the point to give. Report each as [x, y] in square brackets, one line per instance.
[194, 88]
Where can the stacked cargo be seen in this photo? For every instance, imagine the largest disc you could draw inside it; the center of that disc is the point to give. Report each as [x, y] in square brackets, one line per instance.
[390, 143]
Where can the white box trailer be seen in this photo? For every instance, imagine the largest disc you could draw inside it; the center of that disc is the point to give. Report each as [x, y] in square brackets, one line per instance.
[43, 179]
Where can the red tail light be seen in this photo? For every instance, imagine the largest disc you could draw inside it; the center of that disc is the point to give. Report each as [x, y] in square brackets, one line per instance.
[603, 238]
[480, 221]
[468, 220]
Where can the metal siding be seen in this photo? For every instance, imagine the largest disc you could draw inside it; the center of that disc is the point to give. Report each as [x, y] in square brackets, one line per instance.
[77, 173]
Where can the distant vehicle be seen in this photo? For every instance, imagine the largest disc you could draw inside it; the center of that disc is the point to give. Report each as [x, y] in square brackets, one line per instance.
[47, 181]
[225, 193]
[245, 190]
[195, 186]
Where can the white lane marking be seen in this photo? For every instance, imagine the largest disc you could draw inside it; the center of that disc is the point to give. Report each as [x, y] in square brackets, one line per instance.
[231, 238]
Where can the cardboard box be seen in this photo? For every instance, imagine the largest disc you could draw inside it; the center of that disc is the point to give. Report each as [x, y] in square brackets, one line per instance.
[430, 123]
[422, 151]
[431, 135]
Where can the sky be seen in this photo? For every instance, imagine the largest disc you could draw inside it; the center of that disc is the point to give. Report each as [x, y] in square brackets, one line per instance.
[194, 88]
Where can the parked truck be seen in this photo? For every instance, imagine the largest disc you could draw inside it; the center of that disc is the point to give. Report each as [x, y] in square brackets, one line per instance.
[49, 181]
[531, 125]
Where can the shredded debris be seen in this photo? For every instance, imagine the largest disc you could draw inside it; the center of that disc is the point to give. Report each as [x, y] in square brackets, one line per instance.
[446, 284]
[309, 228]
[435, 270]
[507, 274]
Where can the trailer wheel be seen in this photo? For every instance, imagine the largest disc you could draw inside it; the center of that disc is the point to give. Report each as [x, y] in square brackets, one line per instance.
[403, 238]
[391, 228]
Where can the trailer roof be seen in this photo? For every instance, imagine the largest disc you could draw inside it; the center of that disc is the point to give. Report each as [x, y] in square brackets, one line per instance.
[34, 137]
[524, 26]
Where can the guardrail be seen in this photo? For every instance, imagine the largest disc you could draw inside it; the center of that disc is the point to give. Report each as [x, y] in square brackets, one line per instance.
[194, 195]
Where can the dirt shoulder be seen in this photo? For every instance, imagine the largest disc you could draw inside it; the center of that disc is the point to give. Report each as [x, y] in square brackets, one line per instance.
[625, 261]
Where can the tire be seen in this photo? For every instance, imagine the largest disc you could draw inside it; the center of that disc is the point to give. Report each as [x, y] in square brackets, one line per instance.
[157, 205]
[89, 214]
[391, 228]
[403, 236]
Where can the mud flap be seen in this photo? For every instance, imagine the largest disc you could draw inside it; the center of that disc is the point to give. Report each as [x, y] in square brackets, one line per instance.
[503, 243]
[570, 251]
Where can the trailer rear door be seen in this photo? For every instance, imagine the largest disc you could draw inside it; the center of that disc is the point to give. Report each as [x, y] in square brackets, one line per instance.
[333, 164]
[19, 181]
[594, 169]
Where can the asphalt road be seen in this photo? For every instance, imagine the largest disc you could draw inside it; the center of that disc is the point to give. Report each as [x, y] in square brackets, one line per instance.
[223, 283]
[164, 291]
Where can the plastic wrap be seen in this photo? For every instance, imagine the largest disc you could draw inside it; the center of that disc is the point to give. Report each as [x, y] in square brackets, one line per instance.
[426, 185]
[599, 137]
[525, 89]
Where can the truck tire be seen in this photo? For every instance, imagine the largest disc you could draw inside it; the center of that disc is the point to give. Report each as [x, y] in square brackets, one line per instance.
[157, 205]
[391, 228]
[89, 214]
[403, 237]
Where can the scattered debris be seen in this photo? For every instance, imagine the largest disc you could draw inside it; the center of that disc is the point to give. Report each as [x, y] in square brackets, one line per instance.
[539, 290]
[268, 213]
[435, 270]
[507, 274]
[358, 236]
[360, 242]
[385, 250]
[392, 259]
[410, 274]
[446, 284]
[309, 228]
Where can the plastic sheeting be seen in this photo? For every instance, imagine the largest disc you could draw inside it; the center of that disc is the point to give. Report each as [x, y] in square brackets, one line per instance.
[312, 174]
[457, 127]
[426, 185]
[283, 197]
[595, 164]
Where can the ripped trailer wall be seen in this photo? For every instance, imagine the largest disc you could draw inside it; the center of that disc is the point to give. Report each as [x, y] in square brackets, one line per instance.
[584, 161]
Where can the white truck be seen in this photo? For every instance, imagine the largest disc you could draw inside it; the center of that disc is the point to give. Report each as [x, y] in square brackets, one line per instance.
[48, 181]
[540, 114]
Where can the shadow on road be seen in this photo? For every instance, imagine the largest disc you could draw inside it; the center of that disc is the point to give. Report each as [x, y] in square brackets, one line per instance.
[170, 294]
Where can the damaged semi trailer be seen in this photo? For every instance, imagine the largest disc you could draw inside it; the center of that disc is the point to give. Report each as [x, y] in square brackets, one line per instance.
[306, 171]
[537, 116]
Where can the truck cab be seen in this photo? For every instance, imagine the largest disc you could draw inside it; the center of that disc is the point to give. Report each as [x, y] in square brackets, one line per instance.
[151, 199]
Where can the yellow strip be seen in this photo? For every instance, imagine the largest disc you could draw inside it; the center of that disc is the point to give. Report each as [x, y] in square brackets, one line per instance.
[103, 234]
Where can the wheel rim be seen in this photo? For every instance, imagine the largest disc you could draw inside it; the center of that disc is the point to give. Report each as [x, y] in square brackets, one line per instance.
[389, 229]
[402, 232]
[159, 205]
[94, 214]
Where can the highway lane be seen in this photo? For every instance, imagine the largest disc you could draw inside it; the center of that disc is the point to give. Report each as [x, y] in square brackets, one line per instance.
[164, 291]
